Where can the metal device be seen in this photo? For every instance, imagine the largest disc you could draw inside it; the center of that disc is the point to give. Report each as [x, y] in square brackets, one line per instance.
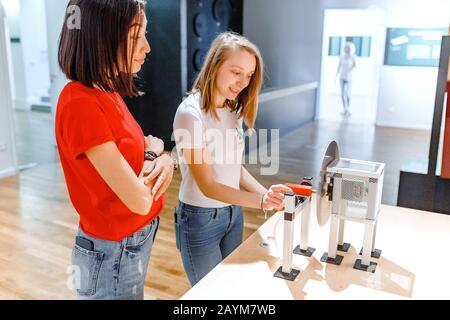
[349, 190]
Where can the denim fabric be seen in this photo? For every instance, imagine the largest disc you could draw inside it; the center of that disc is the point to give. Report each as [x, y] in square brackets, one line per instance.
[205, 236]
[345, 93]
[113, 270]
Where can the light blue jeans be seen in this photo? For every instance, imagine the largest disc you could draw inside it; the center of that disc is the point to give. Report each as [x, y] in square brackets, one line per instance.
[345, 93]
[205, 236]
[113, 270]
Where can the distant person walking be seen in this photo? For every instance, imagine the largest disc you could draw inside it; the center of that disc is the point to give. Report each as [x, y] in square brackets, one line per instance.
[347, 64]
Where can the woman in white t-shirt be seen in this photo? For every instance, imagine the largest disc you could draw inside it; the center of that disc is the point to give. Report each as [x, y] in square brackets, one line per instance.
[347, 63]
[210, 143]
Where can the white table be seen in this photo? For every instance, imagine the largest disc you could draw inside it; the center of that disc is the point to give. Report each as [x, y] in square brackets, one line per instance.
[415, 262]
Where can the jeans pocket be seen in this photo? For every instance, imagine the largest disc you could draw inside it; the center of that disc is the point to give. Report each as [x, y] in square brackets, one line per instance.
[86, 266]
[201, 219]
[140, 238]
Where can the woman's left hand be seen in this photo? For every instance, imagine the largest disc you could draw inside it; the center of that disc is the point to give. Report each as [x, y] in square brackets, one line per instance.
[163, 171]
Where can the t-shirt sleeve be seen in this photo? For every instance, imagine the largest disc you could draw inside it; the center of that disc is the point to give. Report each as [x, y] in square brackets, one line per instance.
[84, 125]
[188, 130]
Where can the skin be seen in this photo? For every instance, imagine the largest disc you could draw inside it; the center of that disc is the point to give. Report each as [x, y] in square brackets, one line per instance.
[233, 76]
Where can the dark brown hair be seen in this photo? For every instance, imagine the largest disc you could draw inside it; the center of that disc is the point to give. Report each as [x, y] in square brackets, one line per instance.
[94, 43]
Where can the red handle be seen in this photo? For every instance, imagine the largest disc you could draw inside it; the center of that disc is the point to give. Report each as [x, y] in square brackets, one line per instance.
[300, 189]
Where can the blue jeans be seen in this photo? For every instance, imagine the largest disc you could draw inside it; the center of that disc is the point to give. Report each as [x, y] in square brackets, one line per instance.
[345, 93]
[112, 270]
[205, 236]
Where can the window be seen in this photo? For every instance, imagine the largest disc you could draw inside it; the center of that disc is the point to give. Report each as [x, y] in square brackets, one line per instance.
[362, 45]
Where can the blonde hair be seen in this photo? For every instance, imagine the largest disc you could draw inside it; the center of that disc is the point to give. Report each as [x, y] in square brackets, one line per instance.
[351, 47]
[246, 103]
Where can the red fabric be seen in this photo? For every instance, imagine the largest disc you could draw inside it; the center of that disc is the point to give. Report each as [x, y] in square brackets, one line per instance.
[86, 118]
[445, 172]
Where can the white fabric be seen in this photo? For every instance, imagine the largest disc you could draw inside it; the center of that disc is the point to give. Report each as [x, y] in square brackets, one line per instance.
[224, 139]
[346, 65]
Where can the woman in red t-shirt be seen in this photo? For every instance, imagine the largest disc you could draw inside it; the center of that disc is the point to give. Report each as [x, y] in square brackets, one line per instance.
[117, 194]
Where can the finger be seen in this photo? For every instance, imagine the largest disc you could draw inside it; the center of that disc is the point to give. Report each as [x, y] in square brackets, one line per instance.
[149, 169]
[156, 172]
[158, 184]
[163, 188]
[275, 195]
[269, 205]
[276, 202]
[280, 188]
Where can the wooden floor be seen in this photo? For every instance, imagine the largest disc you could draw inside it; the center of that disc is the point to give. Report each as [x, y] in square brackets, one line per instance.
[38, 222]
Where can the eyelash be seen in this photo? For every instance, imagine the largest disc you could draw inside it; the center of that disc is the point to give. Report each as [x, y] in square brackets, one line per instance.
[238, 73]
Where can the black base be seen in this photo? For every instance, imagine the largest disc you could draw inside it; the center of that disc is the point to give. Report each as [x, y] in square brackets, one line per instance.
[359, 266]
[307, 253]
[337, 261]
[287, 276]
[375, 253]
[344, 247]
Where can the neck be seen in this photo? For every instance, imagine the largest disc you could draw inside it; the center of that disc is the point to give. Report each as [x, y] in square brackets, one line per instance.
[219, 101]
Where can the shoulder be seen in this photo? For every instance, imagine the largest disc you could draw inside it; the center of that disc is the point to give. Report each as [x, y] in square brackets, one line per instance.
[75, 98]
[190, 107]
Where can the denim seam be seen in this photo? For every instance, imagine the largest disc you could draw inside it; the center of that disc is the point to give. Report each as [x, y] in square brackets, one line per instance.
[188, 245]
[116, 284]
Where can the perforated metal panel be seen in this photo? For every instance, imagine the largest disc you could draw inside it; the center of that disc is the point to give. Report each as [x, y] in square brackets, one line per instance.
[354, 190]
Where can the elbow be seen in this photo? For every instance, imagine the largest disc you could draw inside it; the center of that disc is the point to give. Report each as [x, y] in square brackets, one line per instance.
[142, 207]
[208, 190]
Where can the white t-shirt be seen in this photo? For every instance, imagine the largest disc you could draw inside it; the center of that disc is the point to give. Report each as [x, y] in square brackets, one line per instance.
[346, 66]
[224, 139]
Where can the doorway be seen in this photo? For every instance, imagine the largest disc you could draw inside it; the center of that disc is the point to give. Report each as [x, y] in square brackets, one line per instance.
[366, 30]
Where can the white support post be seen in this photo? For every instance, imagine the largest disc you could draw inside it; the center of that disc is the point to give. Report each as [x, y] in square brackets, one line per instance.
[368, 241]
[288, 235]
[332, 245]
[304, 232]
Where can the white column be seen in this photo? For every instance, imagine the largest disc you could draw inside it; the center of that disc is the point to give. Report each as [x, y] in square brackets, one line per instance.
[55, 12]
[8, 160]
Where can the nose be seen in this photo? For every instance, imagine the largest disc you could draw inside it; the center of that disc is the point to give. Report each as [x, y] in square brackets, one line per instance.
[147, 48]
[242, 82]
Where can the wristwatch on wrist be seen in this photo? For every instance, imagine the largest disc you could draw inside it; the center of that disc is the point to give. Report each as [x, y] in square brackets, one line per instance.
[150, 155]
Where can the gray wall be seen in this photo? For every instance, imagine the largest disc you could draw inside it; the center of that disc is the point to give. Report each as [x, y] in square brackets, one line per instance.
[289, 35]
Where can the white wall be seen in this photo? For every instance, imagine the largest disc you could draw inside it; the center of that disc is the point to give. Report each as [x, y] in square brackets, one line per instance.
[12, 9]
[407, 94]
[8, 162]
[55, 10]
[33, 32]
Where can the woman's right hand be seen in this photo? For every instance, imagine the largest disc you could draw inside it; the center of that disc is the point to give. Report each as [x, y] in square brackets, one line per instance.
[154, 144]
[274, 198]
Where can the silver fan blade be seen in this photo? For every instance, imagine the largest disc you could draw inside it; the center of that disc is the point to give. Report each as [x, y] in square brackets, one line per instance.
[323, 204]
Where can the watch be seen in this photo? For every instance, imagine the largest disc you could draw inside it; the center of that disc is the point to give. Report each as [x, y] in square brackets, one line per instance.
[150, 155]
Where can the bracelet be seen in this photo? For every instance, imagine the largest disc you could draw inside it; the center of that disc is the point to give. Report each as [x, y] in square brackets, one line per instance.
[262, 206]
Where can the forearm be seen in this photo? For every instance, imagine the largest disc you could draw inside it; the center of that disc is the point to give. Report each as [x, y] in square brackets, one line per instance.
[224, 193]
[249, 183]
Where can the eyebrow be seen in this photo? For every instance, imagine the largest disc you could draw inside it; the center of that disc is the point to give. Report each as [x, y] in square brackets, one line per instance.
[236, 66]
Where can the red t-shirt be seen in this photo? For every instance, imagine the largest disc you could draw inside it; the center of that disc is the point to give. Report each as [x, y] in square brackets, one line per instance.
[85, 118]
